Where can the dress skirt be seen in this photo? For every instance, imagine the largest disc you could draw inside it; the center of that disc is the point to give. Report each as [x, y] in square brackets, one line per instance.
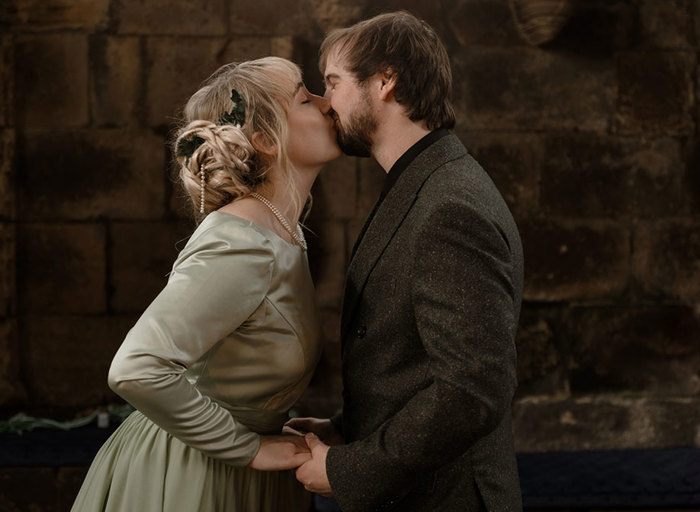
[143, 468]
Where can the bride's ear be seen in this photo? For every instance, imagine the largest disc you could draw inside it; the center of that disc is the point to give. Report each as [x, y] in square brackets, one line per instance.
[263, 144]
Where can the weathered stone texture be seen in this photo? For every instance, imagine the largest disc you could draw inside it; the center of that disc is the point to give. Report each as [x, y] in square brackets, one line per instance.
[329, 263]
[604, 422]
[530, 89]
[666, 260]
[176, 67]
[650, 349]
[666, 24]
[600, 176]
[479, 22]
[115, 63]
[655, 92]
[85, 174]
[514, 163]
[51, 80]
[70, 358]
[8, 241]
[19, 489]
[254, 18]
[574, 261]
[7, 53]
[37, 15]
[332, 14]
[335, 190]
[61, 269]
[172, 17]
[142, 255]
[12, 392]
[7, 175]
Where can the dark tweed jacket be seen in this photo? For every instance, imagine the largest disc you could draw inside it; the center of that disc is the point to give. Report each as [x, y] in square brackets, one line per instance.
[431, 308]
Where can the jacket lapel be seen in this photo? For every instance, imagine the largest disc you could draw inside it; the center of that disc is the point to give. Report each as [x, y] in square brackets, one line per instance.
[379, 230]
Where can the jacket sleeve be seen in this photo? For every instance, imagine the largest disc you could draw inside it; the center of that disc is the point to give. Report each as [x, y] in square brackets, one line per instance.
[211, 291]
[463, 298]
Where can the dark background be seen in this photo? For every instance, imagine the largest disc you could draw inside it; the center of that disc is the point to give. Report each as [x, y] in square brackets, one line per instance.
[592, 138]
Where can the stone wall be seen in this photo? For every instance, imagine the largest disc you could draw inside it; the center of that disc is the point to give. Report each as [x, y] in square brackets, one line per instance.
[592, 138]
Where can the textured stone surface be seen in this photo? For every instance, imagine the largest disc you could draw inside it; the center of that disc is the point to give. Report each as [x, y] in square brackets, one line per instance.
[61, 268]
[655, 92]
[474, 22]
[70, 356]
[529, 89]
[8, 242]
[36, 15]
[666, 260]
[176, 67]
[85, 174]
[115, 63]
[332, 14]
[666, 24]
[7, 53]
[514, 163]
[19, 489]
[599, 176]
[335, 190]
[12, 393]
[328, 255]
[255, 17]
[7, 174]
[570, 261]
[172, 17]
[605, 422]
[651, 349]
[141, 257]
[51, 80]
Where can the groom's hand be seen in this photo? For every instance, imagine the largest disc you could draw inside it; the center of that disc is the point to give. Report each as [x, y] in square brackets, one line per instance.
[324, 429]
[312, 474]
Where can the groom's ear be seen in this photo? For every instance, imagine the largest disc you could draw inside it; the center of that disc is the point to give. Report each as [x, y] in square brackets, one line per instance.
[388, 82]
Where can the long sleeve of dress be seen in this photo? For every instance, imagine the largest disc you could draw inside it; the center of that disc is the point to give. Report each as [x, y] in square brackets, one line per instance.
[217, 282]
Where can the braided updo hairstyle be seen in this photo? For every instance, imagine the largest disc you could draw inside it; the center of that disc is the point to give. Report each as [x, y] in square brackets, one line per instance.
[231, 165]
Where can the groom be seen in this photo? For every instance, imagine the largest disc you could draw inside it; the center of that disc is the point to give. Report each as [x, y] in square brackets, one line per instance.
[432, 296]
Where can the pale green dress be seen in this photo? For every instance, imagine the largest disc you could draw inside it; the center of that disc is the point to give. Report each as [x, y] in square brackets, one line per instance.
[220, 356]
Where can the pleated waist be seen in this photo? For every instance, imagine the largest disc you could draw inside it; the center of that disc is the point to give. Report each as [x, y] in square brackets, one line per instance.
[261, 421]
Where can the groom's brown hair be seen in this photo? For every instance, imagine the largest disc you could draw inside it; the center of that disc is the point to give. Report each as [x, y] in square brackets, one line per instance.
[399, 43]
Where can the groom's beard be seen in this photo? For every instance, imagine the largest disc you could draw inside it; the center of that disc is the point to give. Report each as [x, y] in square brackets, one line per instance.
[355, 139]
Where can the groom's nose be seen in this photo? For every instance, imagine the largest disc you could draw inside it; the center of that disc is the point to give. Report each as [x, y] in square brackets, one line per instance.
[323, 104]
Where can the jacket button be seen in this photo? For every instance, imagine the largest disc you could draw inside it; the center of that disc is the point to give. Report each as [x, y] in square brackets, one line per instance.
[361, 331]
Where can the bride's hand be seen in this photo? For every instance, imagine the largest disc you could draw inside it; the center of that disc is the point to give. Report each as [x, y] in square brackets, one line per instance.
[280, 452]
[323, 428]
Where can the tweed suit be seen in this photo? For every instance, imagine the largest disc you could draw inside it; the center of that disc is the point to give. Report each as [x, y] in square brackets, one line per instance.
[430, 312]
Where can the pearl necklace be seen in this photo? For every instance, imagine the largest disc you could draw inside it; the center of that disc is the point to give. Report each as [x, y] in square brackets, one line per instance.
[297, 236]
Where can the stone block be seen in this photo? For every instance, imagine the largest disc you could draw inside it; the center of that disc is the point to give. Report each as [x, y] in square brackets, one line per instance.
[51, 80]
[666, 259]
[39, 15]
[170, 17]
[478, 22]
[513, 162]
[666, 24]
[84, 174]
[574, 261]
[542, 351]
[640, 349]
[116, 80]
[655, 92]
[586, 175]
[61, 268]
[176, 68]
[7, 175]
[332, 14]
[335, 191]
[12, 392]
[327, 259]
[8, 243]
[141, 257]
[68, 358]
[435, 14]
[599, 28]
[608, 422]
[270, 17]
[527, 89]
[7, 54]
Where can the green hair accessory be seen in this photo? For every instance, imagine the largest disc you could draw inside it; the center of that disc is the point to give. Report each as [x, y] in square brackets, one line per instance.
[186, 147]
[237, 115]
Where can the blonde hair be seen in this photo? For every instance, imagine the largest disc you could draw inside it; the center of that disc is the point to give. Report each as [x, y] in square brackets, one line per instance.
[231, 165]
